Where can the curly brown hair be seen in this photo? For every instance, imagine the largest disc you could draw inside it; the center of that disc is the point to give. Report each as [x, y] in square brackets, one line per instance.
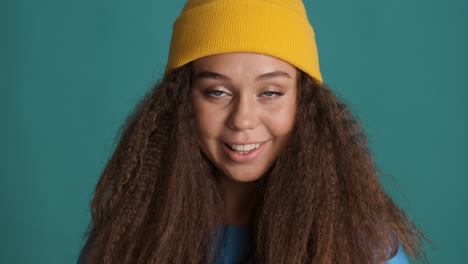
[158, 199]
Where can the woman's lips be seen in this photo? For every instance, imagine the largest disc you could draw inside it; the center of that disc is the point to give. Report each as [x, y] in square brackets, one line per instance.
[241, 155]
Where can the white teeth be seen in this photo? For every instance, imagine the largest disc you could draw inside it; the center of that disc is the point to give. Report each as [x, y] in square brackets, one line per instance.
[244, 149]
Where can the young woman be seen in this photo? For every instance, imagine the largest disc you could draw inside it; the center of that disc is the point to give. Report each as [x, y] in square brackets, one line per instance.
[242, 154]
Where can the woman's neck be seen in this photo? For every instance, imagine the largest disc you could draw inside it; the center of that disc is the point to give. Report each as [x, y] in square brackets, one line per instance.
[240, 200]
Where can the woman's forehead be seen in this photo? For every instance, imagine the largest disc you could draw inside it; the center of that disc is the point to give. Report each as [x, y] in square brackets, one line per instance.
[243, 64]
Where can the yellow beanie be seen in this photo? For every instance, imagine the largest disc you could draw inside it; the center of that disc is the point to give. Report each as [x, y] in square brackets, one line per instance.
[278, 28]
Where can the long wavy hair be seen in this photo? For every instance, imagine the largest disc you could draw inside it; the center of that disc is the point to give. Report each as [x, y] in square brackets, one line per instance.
[158, 199]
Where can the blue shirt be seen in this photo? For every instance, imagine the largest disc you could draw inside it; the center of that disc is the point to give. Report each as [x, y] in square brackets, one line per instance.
[236, 247]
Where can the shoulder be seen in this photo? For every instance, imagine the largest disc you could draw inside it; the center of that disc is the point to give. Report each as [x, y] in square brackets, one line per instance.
[84, 252]
[400, 257]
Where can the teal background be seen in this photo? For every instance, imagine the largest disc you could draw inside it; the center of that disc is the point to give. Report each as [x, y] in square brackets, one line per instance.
[72, 70]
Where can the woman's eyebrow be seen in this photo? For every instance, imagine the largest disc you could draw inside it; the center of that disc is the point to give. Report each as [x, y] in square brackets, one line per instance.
[212, 75]
[274, 74]
[265, 76]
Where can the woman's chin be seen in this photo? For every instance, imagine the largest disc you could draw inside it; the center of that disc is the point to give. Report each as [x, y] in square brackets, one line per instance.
[243, 177]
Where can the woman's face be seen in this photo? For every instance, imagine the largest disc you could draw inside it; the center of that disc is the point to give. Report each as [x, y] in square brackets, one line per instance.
[245, 107]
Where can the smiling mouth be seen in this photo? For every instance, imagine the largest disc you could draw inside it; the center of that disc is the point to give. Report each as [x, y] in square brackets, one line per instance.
[243, 149]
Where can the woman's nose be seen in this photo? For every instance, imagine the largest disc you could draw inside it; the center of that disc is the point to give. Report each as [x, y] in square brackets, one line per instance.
[243, 115]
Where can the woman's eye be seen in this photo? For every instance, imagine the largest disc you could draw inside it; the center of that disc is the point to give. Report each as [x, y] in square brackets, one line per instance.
[272, 93]
[216, 93]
